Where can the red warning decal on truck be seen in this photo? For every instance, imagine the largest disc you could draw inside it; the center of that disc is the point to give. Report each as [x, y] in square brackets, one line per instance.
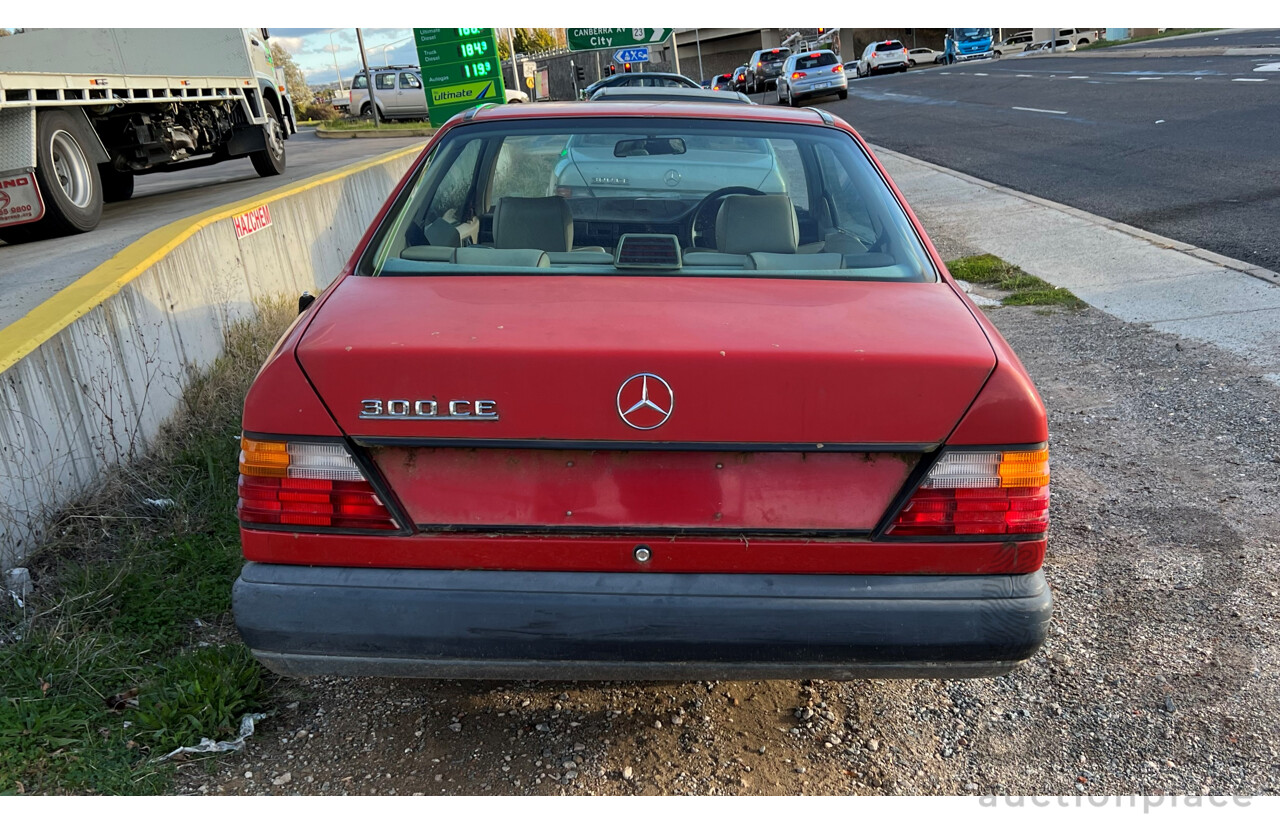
[20, 200]
[249, 222]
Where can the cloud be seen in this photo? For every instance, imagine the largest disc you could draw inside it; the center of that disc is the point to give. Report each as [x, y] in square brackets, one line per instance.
[292, 45]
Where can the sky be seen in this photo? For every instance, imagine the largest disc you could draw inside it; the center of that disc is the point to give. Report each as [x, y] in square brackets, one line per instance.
[314, 54]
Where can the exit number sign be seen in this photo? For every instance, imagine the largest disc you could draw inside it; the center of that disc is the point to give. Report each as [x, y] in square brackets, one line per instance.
[460, 69]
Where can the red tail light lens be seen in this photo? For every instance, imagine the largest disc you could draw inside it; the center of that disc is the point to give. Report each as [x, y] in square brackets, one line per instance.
[971, 493]
[798, 75]
[836, 69]
[308, 484]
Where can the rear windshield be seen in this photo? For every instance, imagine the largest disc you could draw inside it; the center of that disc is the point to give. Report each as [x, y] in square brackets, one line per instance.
[775, 54]
[811, 62]
[890, 45]
[697, 197]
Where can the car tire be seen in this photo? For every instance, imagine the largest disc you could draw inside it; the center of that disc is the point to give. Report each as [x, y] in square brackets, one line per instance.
[911, 64]
[69, 182]
[269, 161]
[844, 94]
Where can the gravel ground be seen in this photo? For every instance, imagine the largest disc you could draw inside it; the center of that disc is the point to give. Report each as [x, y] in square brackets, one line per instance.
[1158, 677]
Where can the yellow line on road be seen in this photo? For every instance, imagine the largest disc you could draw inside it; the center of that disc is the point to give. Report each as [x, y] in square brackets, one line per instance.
[22, 337]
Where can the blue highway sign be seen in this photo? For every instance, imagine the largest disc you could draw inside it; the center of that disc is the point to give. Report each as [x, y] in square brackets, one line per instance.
[639, 55]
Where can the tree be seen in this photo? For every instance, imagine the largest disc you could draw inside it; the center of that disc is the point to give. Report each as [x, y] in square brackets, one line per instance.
[5, 32]
[528, 41]
[294, 80]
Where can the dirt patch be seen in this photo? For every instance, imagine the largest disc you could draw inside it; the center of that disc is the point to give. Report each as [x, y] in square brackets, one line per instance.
[1159, 674]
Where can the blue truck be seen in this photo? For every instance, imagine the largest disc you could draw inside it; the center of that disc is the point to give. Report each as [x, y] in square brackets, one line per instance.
[967, 44]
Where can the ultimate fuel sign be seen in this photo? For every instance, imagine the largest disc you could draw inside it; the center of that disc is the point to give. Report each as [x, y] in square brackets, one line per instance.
[460, 69]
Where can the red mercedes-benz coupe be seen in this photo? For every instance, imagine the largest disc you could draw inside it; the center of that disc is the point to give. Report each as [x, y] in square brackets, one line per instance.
[644, 390]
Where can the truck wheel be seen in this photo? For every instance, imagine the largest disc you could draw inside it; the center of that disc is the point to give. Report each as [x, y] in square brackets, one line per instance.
[270, 161]
[68, 180]
[366, 110]
[116, 185]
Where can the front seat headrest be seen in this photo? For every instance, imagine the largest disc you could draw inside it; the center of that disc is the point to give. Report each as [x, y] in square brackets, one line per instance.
[757, 223]
[533, 223]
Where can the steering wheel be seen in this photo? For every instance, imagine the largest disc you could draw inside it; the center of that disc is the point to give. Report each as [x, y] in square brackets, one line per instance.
[703, 223]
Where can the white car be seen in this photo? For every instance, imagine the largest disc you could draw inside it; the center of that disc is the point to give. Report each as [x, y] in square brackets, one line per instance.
[883, 56]
[1079, 37]
[923, 56]
[1013, 44]
[516, 96]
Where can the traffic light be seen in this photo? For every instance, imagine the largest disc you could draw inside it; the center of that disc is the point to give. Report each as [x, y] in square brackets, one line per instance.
[581, 73]
[626, 67]
[821, 32]
[613, 69]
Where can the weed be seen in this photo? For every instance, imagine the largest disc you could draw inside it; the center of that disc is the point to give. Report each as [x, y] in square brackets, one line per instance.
[124, 649]
[1023, 289]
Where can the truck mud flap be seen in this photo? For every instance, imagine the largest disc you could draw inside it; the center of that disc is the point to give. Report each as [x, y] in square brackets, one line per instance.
[246, 140]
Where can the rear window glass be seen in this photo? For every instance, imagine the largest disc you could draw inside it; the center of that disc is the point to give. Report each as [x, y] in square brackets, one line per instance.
[727, 198]
[809, 62]
[890, 45]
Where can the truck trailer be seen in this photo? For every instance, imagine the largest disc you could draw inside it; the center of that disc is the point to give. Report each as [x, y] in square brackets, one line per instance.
[83, 111]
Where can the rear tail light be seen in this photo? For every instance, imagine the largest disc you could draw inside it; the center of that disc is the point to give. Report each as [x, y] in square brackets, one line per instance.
[307, 484]
[970, 493]
[836, 69]
[797, 75]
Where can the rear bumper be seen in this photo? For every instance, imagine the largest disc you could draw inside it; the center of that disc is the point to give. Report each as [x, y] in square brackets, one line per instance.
[303, 621]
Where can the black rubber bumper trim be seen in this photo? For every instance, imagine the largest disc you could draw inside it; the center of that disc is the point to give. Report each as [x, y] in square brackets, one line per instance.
[546, 625]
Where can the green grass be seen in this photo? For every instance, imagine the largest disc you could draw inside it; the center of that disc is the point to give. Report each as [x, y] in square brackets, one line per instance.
[1102, 44]
[133, 598]
[351, 124]
[1023, 289]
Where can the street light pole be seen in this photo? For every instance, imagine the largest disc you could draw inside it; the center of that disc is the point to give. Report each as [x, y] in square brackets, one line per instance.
[698, 40]
[368, 78]
[333, 50]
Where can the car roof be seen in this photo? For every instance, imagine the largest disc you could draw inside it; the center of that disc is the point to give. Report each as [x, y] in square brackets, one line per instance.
[683, 95]
[631, 108]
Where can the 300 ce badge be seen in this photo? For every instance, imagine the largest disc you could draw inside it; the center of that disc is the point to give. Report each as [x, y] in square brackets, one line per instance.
[402, 409]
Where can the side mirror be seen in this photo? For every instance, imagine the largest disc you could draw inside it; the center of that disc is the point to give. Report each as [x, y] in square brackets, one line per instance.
[305, 300]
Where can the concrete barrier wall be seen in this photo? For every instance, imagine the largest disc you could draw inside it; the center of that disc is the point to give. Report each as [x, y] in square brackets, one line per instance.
[87, 378]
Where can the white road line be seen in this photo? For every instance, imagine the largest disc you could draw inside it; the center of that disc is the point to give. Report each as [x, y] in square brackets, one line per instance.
[980, 74]
[1046, 111]
[1151, 78]
[1078, 77]
[1248, 80]
[944, 72]
[1024, 75]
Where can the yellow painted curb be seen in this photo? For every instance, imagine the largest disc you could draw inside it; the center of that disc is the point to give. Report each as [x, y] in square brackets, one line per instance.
[22, 337]
[341, 134]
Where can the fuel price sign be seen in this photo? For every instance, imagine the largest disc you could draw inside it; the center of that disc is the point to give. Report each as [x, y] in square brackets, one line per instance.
[460, 69]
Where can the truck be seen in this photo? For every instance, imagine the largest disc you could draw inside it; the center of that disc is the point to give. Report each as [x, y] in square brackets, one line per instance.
[967, 44]
[84, 111]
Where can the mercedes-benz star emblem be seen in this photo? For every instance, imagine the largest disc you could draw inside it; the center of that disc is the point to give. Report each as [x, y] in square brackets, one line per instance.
[645, 401]
[672, 177]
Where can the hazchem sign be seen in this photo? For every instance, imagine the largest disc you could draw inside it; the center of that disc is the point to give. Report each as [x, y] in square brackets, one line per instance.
[460, 69]
[246, 223]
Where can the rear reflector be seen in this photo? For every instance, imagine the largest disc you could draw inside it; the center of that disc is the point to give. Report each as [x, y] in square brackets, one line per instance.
[980, 493]
[306, 483]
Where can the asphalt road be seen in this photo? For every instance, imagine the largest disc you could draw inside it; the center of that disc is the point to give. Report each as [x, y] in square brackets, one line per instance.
[31, 273]
[1182, 146]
